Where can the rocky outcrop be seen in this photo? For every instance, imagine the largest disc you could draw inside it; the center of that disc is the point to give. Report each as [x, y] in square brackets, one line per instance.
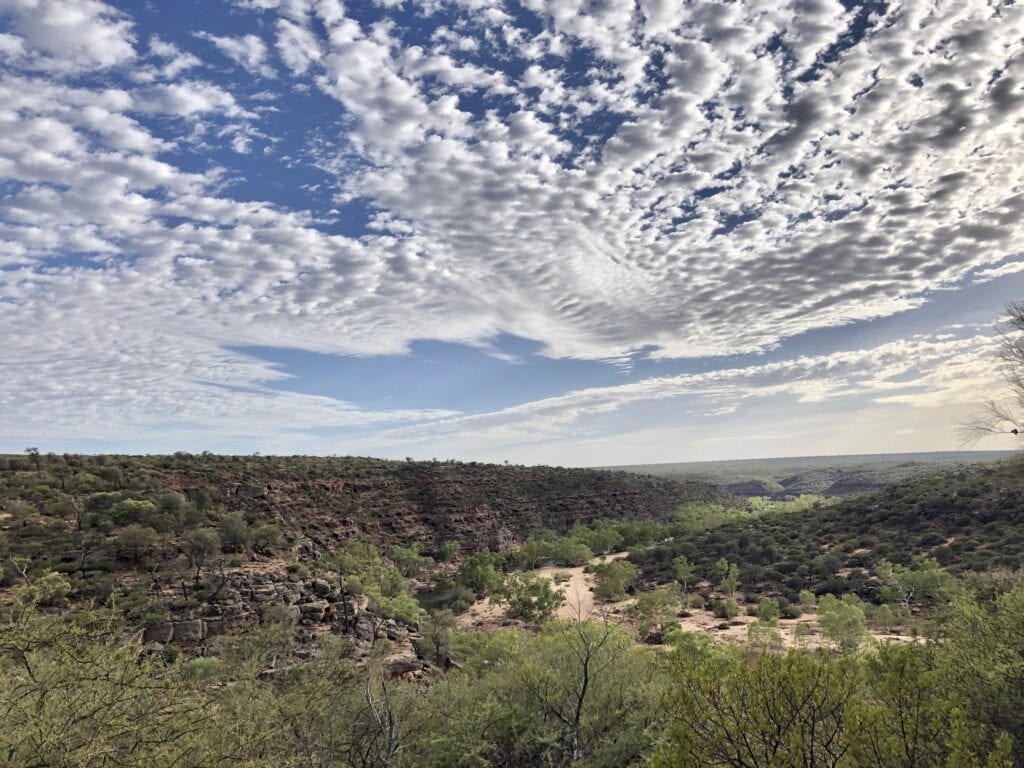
[255, 592]
[322, 501]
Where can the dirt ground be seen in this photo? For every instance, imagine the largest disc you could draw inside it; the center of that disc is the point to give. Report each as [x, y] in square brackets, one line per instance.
[580, 603]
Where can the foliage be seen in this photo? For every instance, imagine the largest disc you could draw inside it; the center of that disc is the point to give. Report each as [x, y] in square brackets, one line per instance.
[613, 579]
[409, 561]
[267, 538]
[654, 611]
[234, 532]
[529, 598]
[967, 519]
[479, 572]
[842, 621]
[683, 570]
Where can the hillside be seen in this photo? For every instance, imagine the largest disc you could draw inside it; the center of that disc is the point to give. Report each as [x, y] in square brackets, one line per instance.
[820, 475]
[67, 512]
[968, 519]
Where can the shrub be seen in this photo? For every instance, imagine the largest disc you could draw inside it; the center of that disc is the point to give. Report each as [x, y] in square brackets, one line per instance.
[725, 609]
[267, 538]
[613, 578]
[529, 598]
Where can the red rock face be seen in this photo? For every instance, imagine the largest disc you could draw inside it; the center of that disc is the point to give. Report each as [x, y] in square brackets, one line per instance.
[477, 505]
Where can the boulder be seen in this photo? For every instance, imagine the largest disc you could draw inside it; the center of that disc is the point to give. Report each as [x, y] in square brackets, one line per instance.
[395, 632]
[363, 629]
[399, 666]
[191, 631]
[158, 633]
[314, 611]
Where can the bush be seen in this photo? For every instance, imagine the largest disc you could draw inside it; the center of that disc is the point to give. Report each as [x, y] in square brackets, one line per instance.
[234, 532]
[613, 579]
[529, 598]
[791, 611]
[725, 609]
[267, 538]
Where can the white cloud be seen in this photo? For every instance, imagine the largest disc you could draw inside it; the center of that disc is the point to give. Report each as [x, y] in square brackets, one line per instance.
[248, 51]
[71, 35]
[673, 179]
[920, 373]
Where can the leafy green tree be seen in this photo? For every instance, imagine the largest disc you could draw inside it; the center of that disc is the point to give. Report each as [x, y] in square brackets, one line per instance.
[136, 541]
[447, 551]
[655, 611]
[768, 610]
[842, 621]
[613, 579]
[529, 598]
[730, 581]
[884, 618]
[904, 716]
[479, 572]
[409, 561]
[200, 546]
[267, 538]
[720, 569]
[683, 570]
[981, 660]
[132, 511]
[33, 454]
[725, 609]
[923, 582]
[583, 684]
[234, 532]
[74, 693]
[772, 712]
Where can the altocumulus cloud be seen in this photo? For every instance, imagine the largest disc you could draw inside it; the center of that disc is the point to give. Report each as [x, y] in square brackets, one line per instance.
[667, 179]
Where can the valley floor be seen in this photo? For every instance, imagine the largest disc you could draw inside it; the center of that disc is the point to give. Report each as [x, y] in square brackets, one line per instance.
[578, 587]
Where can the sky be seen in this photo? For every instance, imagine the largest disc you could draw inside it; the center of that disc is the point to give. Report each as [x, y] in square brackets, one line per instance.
[574, 232]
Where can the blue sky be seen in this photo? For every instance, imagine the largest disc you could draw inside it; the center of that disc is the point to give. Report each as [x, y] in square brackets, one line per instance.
[542, 231]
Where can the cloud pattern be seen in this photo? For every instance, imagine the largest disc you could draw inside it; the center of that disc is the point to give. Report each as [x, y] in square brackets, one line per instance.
[673, 180]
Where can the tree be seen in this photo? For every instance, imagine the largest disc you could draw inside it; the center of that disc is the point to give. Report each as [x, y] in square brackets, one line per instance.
[1004, 416]
[73, 692]
[721, 569]
[234, 532]
[529, 598]
[200, 546]
[768, 610]
[842, 621]
[613, 578]
[904, 717]
[731, 580]
[267, 538]
[447, 551]
[884, 618]
[772, 712]
[923, 582]
[136, 540]
[653, 611]
[683, 570]
[480, 573]
[409, 560]
[981, 661]
[436, 631]
[33, 454]
[578, 677]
